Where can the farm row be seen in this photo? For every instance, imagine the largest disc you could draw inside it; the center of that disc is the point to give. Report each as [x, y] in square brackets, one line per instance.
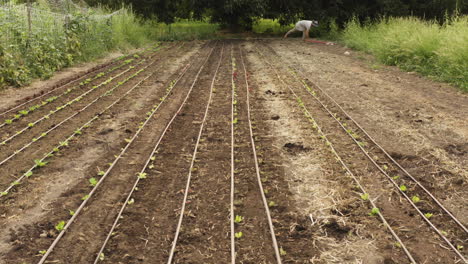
[214, 152]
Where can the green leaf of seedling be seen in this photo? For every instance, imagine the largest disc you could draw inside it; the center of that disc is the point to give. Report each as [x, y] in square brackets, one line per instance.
[272, 204]
[3, 193]
[282, 252]
[30, 124]
[100, 173]
[85, 197]
[403, 188]
[238, 219]
[28, 174]
[415, 199]
[93, 181]
[396, 177]
[374, 211]
[71, 212]
[8, 121]
[42, 252]
[142, 175]
[428, 215]
[40, 163]
[238, 235]
[131, 201]
[60, 225]
[101, 257]
[365, 196]
[153, 158]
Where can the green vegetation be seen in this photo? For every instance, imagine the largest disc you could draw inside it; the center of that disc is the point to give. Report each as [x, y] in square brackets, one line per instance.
[270, 27]
[437, 51]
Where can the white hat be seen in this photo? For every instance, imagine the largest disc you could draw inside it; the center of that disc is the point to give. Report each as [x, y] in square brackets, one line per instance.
[315, 23]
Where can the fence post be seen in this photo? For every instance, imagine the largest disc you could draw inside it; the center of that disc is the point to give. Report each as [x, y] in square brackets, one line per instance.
[28, 8]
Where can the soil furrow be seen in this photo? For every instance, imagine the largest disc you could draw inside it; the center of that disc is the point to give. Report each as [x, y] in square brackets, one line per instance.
[105, 141]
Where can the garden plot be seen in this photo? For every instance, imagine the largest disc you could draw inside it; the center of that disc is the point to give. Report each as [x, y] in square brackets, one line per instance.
[217, 152]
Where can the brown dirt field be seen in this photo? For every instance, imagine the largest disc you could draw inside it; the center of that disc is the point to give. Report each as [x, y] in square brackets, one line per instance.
[316, 209]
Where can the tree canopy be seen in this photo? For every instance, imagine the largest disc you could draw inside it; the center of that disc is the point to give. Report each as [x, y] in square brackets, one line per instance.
[244, 12]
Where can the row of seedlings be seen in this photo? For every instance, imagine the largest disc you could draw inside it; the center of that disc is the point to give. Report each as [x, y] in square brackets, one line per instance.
[79, 131]
[49, 100]
[104, 174]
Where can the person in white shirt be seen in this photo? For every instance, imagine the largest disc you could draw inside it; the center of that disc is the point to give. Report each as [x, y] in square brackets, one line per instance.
[304, 26]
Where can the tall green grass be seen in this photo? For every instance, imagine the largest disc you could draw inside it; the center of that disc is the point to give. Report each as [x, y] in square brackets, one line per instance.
[438, 51]
[270, 27]
[53, 43]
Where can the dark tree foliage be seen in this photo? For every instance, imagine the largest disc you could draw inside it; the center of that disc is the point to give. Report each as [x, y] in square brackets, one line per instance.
[242, 13]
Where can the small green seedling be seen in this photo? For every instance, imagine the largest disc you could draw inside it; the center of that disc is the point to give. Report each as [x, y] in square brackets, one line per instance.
[42, 252]
[93, 181]
[85, 197]
[385, 167]
[28, 174]
[8, 121]
[71, 212]
[60, 225]
[396, 177]
[365, 196]
[374, 211]
[101, 257]
[403, 188]
[428, 215]
[131, 201]
[238, 235]
[3, 193]
[40, 163]
[238, 219]
[415, 199]
[30, 124]
[272, 204]
[283, 252]
[153, 158]
[100, 173]
[142, 175]
[459, 247]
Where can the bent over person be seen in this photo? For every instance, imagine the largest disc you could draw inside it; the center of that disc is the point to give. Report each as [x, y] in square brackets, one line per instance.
[304, 26]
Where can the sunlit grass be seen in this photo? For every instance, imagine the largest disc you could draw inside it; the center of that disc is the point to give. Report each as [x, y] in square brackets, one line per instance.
[440, 52]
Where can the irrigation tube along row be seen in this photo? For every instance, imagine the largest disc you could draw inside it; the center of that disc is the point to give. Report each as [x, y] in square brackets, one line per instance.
[386, 153]
[100, 254]
[54, 98]
[83, 204]
[70, 102]
[64, 85]
[400, 191]
[194, 155]
[30, 171]
[421, 214]
[382, 218]
[233, 99]
[42, 135]
[257, 167]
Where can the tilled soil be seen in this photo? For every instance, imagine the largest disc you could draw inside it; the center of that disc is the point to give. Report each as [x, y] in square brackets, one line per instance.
[319, 215]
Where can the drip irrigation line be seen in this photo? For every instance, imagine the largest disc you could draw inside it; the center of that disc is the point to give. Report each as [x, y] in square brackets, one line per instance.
[64, 85]
[155, 148]
[382, 218]
[189, 177]
[44, 134]
[257, 168]
[97, 76]
[64, 106]
[83, 204]
[421, 214]
[386, 153]
[18, 180]
[233, 98]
